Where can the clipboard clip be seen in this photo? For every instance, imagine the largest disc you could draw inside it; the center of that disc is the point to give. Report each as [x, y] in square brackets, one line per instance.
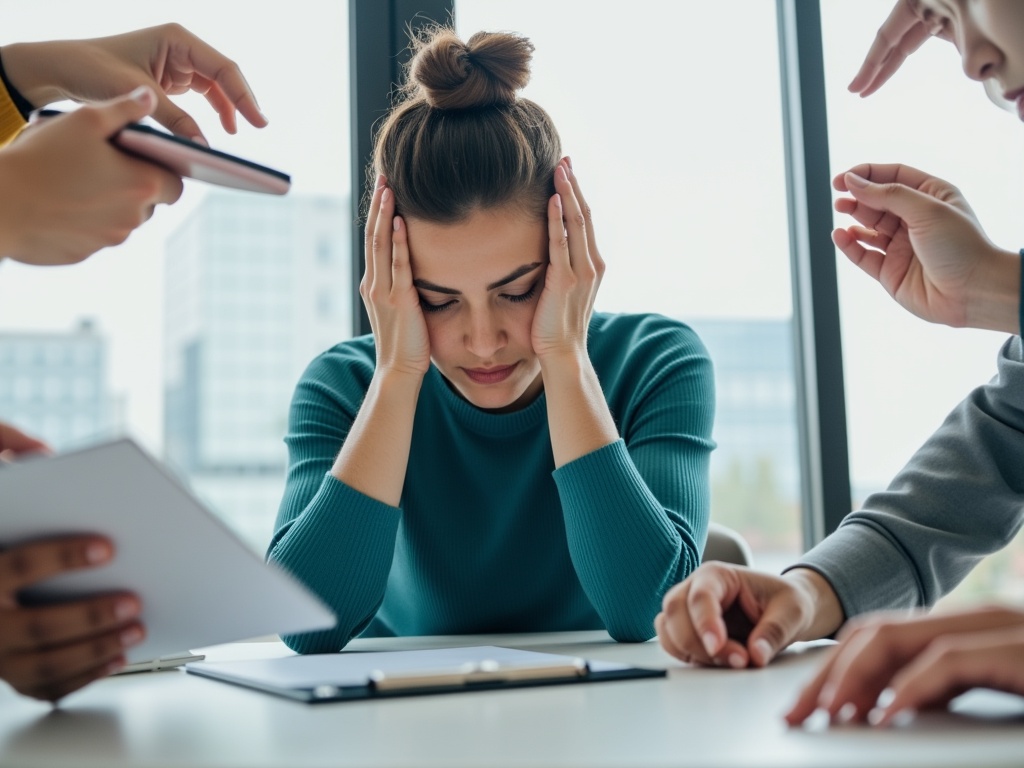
[487, 672]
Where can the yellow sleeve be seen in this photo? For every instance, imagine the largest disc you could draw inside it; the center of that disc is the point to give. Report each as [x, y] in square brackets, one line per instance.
[11, 121]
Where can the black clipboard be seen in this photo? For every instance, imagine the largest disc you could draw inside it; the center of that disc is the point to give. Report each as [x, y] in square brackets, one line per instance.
[355, 676]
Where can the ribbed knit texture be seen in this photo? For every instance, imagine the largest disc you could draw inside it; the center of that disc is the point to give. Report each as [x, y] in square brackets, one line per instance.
[489, 536]
[11, 121]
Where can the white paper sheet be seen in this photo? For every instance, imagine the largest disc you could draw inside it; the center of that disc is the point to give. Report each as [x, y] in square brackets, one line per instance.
[198, 583]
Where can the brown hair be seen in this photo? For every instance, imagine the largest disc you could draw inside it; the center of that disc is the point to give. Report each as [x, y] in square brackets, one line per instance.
[459, 138]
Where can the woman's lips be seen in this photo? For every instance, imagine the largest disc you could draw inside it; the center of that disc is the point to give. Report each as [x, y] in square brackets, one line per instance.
[490, 375]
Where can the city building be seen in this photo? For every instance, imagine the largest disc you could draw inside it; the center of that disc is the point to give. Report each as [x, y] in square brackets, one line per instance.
[53, 386]
[755, 470]
[255, 287]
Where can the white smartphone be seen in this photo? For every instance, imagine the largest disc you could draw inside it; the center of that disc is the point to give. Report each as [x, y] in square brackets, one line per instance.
[194, 161]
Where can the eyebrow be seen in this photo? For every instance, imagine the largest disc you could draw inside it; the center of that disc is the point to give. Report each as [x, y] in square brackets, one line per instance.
[526, 269]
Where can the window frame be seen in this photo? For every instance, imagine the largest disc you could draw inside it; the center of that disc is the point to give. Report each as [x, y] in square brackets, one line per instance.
[378, 49]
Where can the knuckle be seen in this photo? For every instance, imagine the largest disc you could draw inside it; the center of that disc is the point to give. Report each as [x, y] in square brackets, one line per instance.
[579, 219]
[773, 632]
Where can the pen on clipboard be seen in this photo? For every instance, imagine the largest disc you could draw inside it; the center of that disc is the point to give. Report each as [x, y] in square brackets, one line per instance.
[477, 672]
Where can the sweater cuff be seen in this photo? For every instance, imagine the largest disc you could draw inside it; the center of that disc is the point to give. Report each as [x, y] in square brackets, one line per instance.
[1020, 306]
[866, 570]
[339, 522]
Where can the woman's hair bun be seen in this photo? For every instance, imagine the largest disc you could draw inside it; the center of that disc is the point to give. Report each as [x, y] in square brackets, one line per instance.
[487, 70]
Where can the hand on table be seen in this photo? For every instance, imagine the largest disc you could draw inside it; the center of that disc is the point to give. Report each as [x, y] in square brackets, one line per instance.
[925, 661]
[729, 615]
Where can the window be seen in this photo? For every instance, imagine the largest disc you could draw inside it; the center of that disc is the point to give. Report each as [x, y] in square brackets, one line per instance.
[900, 377]
[153, 298]
[686, 179]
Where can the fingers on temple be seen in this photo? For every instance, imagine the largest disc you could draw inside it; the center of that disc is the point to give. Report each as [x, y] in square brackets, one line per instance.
[29, 563]
[588, 218]
[558, 241]
[575, 222]
[401, 271]
[369, 236]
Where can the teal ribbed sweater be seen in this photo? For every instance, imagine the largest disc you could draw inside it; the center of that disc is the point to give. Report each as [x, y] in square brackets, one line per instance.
[490, 537]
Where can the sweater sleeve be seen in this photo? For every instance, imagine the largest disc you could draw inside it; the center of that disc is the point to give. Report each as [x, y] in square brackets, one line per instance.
[960, 497]
[11, 120]
[336, 540]
[636, 511]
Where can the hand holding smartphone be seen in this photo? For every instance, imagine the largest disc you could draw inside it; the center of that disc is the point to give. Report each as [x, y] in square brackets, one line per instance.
[194, 161]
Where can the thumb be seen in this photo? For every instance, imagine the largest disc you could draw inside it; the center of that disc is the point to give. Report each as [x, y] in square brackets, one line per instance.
[115, 114]
[911, 205]
[776, 629]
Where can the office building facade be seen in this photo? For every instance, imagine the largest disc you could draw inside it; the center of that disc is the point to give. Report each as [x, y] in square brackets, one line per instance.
[54, 386]
[255, 287]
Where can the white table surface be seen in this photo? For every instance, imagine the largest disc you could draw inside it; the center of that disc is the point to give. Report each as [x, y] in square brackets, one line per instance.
[695, 717]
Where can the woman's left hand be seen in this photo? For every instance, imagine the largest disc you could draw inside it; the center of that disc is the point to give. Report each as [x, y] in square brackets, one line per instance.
[573, 275]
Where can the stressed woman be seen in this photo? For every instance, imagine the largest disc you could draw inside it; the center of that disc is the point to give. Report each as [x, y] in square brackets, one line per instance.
[496, 456]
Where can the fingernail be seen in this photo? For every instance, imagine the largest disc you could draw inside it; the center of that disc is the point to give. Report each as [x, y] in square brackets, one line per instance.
[853, 180]
[115, 666]
[846, 712]
[131, 636]
[200, 140]
[97, 552]
[568, 162]
[126, 609]
[736, 661]
[828, 692]
[380, 180]
[142, 94]
[397, 223]
[764, 650]
[710, 643]
[386, 195]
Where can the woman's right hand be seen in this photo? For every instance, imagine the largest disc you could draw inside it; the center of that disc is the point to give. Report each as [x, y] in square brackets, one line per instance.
[48, 651]
[391, 300]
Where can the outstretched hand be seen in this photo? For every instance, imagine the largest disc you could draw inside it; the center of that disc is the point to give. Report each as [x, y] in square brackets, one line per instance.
[167, 58]
[903, 32]
[919, 238]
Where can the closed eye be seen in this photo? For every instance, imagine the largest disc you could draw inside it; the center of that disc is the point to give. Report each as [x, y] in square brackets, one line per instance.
[518, 297]
[428, 307]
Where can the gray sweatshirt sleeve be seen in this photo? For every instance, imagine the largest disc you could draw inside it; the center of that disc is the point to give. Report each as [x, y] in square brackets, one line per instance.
[960, 497]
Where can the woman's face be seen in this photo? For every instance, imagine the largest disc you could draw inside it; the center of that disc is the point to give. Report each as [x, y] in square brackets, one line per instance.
[479, 281]
[990, 37]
